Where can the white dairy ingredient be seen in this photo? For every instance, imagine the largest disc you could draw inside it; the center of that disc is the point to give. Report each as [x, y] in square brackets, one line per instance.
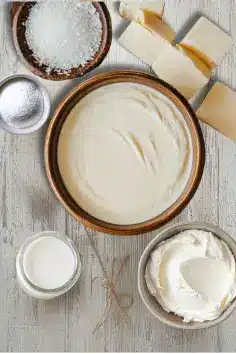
[125, 153]
[63, 34]
[49, 262]
[192, 275]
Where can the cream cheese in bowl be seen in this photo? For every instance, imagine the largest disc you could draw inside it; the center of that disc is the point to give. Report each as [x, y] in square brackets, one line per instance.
[125, 153]
[192, 275]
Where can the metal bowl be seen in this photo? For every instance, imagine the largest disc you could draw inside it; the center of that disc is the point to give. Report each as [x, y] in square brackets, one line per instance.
[41, 119]
[150, 301]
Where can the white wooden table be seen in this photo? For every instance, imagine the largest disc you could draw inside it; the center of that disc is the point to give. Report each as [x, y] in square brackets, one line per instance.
[28, 205]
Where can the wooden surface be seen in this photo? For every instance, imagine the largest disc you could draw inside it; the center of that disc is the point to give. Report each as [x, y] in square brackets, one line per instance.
[28, 206]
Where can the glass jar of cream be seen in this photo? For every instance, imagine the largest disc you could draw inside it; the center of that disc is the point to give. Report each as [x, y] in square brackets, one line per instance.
[47, 265]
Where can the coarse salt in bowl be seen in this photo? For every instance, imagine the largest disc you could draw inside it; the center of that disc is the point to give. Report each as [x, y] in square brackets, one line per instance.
[73, 43]
[74, 39]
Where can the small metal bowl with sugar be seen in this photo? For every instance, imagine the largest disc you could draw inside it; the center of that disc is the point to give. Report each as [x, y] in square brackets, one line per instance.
[24, 104]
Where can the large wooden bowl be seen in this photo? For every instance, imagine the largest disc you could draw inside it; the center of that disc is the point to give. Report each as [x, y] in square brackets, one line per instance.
[62, 113]
[19, 15]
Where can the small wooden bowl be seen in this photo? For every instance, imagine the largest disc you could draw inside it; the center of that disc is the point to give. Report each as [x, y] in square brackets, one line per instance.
[19, 15]
[62, 113]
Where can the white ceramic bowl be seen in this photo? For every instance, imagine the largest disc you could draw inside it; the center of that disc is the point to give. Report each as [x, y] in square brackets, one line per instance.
[149, 300]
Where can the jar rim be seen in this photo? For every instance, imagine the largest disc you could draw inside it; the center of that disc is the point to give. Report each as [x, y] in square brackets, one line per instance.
[77, 269]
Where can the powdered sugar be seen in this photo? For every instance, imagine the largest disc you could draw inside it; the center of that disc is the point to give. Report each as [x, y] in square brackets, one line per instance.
[63, 34]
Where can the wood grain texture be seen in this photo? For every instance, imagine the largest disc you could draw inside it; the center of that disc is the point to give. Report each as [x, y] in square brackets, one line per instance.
[28, 206]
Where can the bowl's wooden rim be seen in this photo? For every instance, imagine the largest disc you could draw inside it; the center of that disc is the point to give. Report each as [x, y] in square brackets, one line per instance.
[53, 133]
[31, 63]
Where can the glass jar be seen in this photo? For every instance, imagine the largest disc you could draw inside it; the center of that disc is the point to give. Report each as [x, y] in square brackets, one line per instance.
[48, 265]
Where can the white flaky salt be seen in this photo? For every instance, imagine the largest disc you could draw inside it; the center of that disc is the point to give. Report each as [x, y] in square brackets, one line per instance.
[63, 34]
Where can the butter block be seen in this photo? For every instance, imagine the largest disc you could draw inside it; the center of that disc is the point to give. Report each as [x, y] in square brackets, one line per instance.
[219, 110]
[128, 9]
[208, 42]
[143, 43]
[201, 65]
[177, 69]
[149, 20]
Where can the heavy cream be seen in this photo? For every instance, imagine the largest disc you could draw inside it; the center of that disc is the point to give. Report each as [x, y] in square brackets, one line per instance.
[47, 265]
[192, 275]
[49, 262]
[125, 153]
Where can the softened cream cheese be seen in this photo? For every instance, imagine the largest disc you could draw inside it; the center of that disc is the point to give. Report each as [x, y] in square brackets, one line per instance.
[192, 275]
[125, 153]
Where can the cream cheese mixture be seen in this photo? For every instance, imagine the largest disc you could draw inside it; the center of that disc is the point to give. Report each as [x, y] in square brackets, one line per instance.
[192, 275]
[125, 153]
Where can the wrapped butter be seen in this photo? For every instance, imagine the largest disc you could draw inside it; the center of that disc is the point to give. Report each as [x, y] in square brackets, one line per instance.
[219, 110]
[128, 9]
[208, 42]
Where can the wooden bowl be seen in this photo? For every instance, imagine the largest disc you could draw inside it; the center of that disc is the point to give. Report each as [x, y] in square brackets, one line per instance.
[19, 15]
[58, 120]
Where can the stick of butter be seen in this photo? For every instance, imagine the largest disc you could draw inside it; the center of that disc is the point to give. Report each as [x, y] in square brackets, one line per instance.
[149, 20]
[208, 42]
[143, 43]
[128, 9]
[201, 65]
[180, 71]
[218, 110]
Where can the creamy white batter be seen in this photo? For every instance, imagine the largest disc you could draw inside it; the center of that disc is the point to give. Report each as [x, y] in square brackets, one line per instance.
[192, 275]
[125, 153]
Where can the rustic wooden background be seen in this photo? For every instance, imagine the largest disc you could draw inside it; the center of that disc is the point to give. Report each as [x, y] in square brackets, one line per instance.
[28, 206]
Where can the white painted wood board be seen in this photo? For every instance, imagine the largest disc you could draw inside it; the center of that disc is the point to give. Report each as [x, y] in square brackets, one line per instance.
[28, 205]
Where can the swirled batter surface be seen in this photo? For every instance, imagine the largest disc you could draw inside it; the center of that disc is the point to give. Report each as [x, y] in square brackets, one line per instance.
[125, 153]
